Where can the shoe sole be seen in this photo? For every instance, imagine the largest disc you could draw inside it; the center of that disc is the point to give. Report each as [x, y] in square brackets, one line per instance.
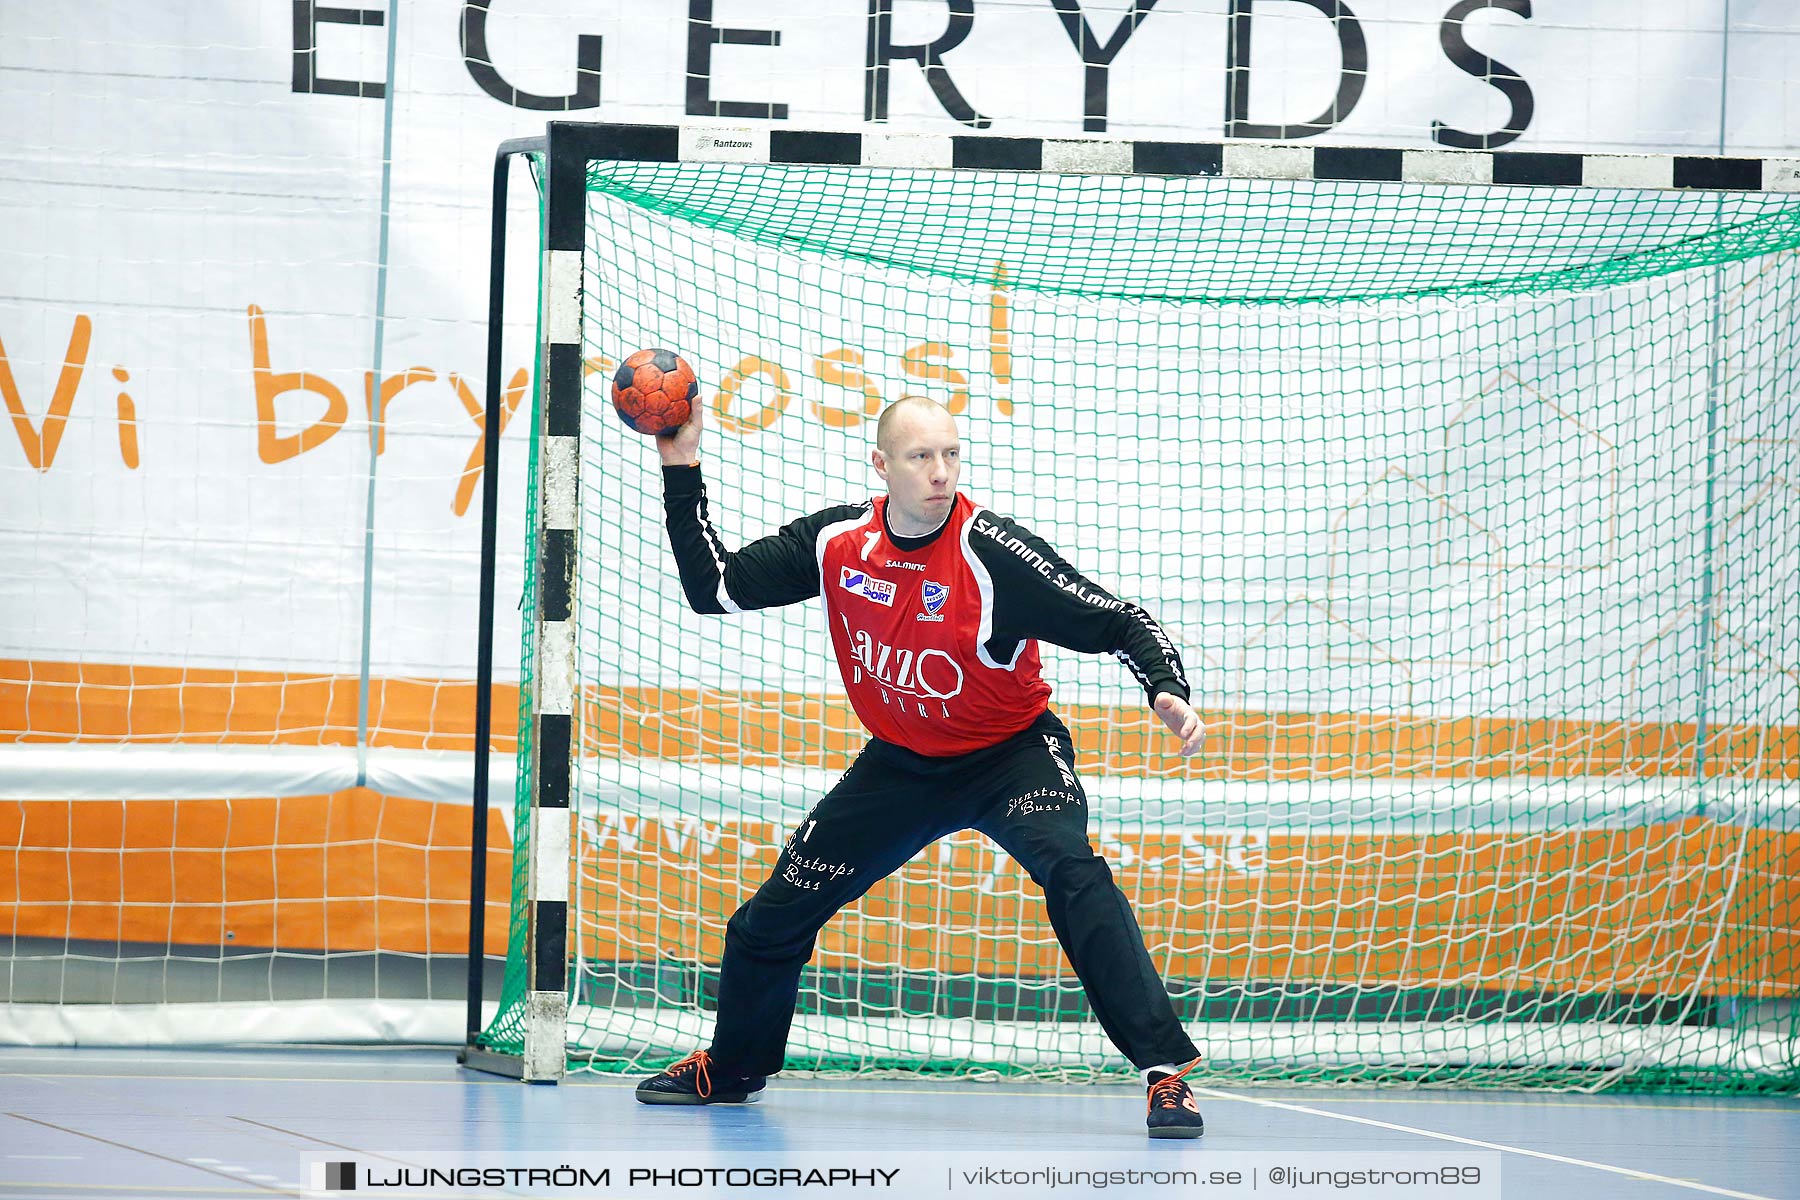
[715, 1098]
[1177, 1131]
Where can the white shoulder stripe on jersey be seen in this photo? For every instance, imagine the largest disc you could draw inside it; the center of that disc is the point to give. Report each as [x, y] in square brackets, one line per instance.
[984, 584]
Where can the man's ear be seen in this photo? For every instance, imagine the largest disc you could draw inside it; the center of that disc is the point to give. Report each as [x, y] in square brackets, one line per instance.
[878, 460]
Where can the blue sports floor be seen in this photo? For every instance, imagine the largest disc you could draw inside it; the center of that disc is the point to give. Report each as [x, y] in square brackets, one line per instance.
[93, 1124]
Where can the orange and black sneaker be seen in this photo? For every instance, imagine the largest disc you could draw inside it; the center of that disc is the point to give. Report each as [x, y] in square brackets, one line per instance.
[691, 1081]
[1170, 1109]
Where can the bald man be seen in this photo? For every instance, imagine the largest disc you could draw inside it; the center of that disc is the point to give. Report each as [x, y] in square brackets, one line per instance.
[935, 607]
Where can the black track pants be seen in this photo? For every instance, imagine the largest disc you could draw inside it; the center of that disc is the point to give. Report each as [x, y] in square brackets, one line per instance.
[892, 803]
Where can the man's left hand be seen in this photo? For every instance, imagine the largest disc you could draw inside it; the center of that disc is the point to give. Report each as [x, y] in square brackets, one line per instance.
[1182, 721]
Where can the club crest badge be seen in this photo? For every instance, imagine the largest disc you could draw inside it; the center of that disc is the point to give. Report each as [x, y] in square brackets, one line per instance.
[933, 595]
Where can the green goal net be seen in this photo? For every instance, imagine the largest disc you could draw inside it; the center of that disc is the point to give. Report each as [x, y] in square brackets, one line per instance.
[1473, 509]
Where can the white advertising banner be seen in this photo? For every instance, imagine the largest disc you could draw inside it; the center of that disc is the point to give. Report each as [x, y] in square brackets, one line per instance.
[244, 245]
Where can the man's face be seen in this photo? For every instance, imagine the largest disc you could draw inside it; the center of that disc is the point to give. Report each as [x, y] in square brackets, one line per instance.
[920, 468]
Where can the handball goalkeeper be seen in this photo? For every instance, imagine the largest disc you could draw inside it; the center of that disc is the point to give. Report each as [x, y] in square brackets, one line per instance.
[935, 606]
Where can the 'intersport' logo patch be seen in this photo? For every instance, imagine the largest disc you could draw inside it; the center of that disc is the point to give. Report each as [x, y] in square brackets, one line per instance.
[861, 583]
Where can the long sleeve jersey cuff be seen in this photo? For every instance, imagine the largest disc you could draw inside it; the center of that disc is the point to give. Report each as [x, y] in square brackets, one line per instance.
[681, 481]
[1158, 687]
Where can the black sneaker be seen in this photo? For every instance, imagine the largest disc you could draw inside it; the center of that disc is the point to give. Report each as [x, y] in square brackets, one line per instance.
[1170, 1109]
[691, 1081]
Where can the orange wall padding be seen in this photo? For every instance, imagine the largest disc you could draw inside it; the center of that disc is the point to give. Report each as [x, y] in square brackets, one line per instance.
[353, 870]
[87, 702]
[1650, 909]
[1660, 908]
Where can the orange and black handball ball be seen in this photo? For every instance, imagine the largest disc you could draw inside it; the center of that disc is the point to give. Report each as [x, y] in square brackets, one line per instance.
[655, 391]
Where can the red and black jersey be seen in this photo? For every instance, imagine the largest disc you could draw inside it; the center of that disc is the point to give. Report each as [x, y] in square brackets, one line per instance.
[935, 636]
